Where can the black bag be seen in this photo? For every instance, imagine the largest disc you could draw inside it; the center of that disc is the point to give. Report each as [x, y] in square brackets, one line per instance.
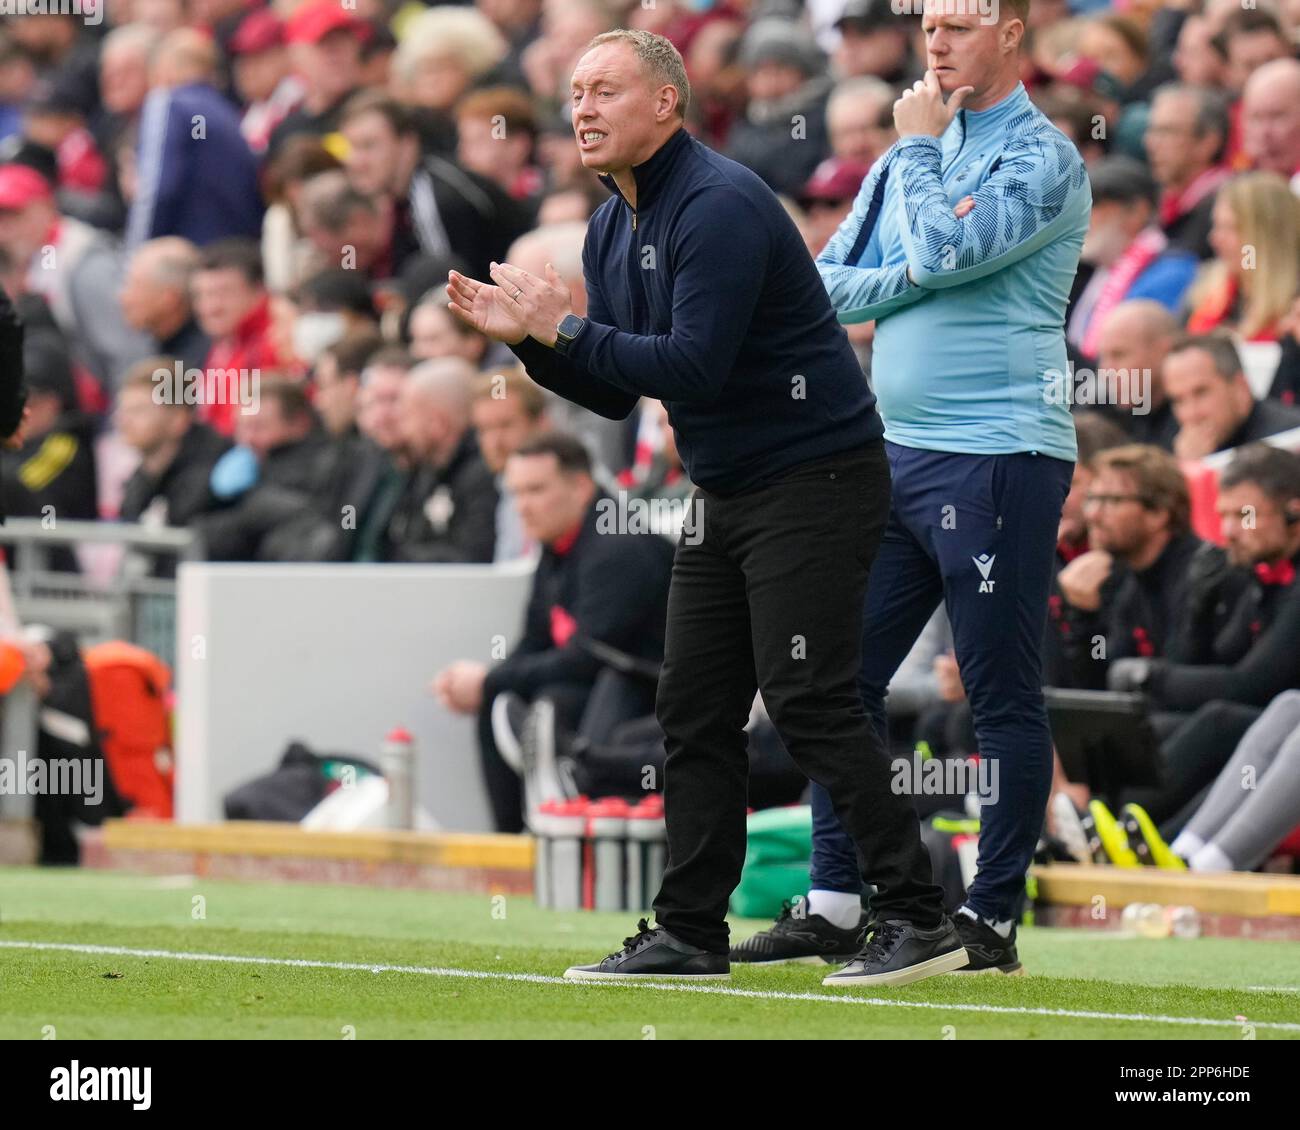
[301, 782]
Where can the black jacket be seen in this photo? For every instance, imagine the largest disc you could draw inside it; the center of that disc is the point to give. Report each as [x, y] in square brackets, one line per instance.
[1267, 418]
[13, 389]
[608, 587]
[445, 513]
[705, 297]
[183, 484]
[1144, 613]
[1251, 656]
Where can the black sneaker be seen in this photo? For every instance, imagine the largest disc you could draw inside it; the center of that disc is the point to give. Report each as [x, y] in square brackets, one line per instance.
[988, 950]
[657, 956]
[810, 938]
[898, 952]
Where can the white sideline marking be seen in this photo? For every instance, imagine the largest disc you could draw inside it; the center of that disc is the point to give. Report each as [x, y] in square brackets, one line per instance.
[669, 986]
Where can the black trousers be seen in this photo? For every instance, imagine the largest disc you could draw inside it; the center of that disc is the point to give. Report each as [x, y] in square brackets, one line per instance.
[768, 590]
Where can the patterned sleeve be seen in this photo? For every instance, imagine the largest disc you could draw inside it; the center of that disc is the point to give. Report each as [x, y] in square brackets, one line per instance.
[1033, 195]
[860, 291]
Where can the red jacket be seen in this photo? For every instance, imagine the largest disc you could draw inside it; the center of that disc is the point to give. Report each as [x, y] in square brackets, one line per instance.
[250, 348]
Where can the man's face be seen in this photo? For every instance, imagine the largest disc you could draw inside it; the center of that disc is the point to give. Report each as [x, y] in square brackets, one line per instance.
[259, 73]
[960, 48]
[433, 335]
[1128, 345]
[1271, 127]
[1118, 522]
[375, 154]
[1111, 228]
[222, 299]
[1176, 151]
[1196, 60]
[1254, 529]
[613, 109]
[266, 429]
[870, 50]
[363, 232]
[329, 68]
[549, 502]
[336, 394]
[1248, 51]
[855, 132]
[23, 230]
[144, 301]
[123, 81]
[502, 426]
[1201, 398]
[483, 150]
[423, 424]
[142, 424]
[378, 413]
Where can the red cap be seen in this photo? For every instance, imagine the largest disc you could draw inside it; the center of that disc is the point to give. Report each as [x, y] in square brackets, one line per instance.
[20, 185]
[314, 20]
[399, 734]
[834, 180]
[259, 31]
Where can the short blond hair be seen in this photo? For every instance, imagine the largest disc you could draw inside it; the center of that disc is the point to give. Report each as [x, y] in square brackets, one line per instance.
[660, 60]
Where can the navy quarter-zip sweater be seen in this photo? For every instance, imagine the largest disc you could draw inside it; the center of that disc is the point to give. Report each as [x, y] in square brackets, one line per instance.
[706, 298]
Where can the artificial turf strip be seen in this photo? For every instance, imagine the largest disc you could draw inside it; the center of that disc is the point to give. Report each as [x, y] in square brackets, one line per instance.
[127, 996]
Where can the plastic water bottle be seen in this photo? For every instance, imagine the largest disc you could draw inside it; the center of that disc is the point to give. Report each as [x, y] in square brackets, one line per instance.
[1184, 921]
[397, 759]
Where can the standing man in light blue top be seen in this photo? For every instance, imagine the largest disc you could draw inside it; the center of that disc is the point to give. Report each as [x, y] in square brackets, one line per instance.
[962, 245]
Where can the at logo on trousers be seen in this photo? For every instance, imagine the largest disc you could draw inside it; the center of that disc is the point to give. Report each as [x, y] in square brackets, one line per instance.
[984, 563]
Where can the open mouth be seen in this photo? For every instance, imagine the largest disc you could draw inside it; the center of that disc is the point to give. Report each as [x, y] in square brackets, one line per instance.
[590, 138]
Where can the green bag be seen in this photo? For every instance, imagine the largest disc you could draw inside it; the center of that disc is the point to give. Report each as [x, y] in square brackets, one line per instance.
[778, 855]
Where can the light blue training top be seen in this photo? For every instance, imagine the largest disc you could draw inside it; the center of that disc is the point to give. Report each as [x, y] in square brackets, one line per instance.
[970, 357]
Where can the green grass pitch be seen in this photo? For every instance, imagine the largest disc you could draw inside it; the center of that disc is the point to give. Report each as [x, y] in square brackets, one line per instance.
[333, 962]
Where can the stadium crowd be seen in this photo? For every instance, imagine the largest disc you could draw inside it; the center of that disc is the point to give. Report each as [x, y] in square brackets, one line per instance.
[227, 226]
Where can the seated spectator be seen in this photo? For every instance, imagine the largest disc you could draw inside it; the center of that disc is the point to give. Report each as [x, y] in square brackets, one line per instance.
[875, 42]
[232, 307]
[155, 299]
[327, 307]
[860, 119]
[507, 411]
[264, 79]
[434, 332]
[1251, 38]
[274, 507]
[447, 508]
[71, 266]
[1250, 284]
[496, 130]
[324, 41]
[827, 199]
[604, 589]
[441, 209]
[1125, 254]
[1126, 595]
[288, 256]
[1238, 660]
[1270, 117]
[197, 183]
[379, 422]
[786, 74]
[1133, 342]
[1236, 828]
[170, 487]
[351, 230]
[443, 52]
[1212, 402]
[52, 474]
[1185, 141]
[336, 381]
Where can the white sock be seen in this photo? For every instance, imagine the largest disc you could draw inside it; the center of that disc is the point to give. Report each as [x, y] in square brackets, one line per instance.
[1002, 929]
[1210, 858]
[837, 907]
[1186, 844]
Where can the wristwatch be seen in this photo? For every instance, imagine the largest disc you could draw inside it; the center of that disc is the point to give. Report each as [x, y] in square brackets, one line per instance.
[568, 329]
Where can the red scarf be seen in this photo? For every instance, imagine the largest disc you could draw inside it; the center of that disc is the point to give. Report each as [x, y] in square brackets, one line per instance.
[1136, 258]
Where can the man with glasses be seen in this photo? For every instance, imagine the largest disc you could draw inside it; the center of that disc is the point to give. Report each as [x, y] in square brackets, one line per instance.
[1126, 597]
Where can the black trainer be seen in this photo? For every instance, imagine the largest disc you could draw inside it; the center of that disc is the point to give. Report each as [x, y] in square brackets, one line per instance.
[657, 956]
[898, 952]
[988, 950]
[810, 938]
